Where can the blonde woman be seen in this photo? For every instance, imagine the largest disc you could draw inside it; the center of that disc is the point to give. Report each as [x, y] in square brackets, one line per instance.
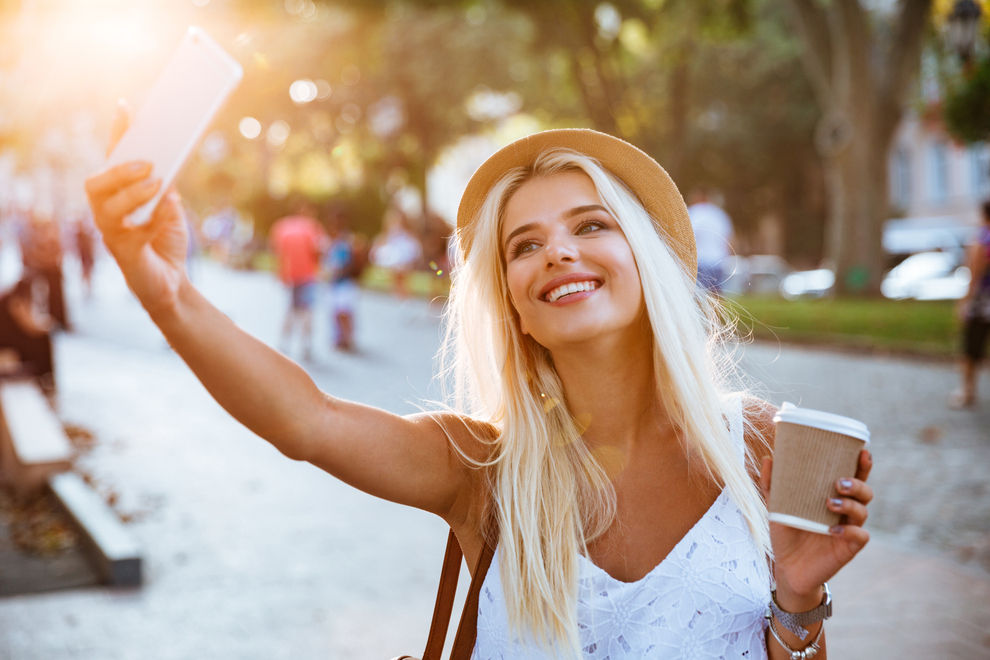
[589, 440]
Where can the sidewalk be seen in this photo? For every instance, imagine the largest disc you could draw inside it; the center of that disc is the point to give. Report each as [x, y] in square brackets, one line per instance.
[896, 603]
[251, 556]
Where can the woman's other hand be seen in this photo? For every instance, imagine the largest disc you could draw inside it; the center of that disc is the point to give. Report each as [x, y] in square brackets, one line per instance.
[151, 256]
[804, 560]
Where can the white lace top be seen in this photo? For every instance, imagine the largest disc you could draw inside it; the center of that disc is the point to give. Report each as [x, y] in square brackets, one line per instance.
[706, 599]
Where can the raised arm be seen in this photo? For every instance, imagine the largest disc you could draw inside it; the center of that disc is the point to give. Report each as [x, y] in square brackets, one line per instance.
[407, 460]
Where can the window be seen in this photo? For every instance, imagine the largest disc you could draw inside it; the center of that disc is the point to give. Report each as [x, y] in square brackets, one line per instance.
[938, 173]
[979, 170]
[900, 178]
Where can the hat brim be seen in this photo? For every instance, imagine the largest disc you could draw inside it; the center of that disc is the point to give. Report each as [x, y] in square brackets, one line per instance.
[643, 175]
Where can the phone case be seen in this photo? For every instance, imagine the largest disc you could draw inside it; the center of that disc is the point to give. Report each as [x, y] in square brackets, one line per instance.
[177, 110]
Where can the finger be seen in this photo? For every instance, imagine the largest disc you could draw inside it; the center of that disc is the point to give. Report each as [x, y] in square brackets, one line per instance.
[766, 468]
[853, 511]
[112, 179]
[128, 200]
[855, 489]
[121, 120]
[855, 538]
[864, 465]
[168, 209]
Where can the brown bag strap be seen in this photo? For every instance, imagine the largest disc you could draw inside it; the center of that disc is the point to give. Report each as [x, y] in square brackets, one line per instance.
[467, 629]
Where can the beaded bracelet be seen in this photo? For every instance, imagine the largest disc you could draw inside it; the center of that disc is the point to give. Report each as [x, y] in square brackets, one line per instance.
[810, 651]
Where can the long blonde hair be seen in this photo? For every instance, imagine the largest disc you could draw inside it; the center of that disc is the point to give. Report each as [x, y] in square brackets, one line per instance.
[550, 496]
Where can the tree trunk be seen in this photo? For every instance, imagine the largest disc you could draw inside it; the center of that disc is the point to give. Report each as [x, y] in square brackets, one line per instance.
[856, 182]
[861, 81]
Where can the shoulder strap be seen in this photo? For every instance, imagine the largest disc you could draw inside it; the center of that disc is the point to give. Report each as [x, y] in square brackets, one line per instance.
[468, 627]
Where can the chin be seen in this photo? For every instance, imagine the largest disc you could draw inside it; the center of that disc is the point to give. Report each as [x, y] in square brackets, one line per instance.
[575, 335]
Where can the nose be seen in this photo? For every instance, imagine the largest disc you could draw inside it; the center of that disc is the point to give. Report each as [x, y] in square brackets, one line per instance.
[560, 249]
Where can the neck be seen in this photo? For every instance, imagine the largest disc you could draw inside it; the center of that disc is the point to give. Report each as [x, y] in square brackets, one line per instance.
[611, 390]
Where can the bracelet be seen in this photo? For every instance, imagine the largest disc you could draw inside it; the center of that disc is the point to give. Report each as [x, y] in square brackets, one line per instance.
[795, 622]
[810, 651]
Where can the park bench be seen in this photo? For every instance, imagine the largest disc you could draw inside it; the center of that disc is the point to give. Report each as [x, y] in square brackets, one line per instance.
[33, 445]
[36, 453]
[111, 547]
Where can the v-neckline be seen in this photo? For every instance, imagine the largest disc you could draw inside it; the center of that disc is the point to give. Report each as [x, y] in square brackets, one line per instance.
[677, 546]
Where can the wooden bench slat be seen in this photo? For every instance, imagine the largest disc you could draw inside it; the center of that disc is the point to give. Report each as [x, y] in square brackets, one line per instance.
[117, 553]
[34, 430]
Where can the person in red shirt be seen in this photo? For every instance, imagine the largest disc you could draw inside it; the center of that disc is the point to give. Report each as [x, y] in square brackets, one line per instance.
[298, 241]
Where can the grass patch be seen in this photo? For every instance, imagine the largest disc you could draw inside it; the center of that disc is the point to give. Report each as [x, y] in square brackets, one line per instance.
[911, 326]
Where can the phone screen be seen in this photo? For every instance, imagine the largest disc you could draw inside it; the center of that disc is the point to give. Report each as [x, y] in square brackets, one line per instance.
[177, 111]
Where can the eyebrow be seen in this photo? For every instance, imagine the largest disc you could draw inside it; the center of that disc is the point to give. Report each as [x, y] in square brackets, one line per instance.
[570, 213]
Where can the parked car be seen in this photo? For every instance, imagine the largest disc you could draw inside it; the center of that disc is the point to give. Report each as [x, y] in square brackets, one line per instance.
[758, 274]
[807, 283]
[933, 275]
[907, 236]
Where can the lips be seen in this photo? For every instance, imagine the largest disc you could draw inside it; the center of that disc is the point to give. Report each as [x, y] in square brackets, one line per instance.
[567, 285]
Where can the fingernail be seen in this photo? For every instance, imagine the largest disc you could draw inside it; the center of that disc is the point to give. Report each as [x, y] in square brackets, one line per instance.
[135, 167]
[837, 530]
[845, 484]
[835, 502]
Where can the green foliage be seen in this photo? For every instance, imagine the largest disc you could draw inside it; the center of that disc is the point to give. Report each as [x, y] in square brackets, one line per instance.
[967, 104]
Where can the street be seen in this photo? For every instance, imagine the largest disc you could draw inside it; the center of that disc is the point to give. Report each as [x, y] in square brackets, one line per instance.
[250, 555]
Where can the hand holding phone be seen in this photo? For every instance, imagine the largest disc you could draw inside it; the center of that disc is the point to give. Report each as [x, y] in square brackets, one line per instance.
[177, 111]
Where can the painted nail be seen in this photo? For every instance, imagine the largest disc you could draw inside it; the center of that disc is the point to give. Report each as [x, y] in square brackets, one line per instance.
[845, 484]
[835, 503]
[837, 530]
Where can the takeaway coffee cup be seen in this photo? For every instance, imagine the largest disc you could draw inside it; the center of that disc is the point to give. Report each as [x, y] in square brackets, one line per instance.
[812, 450]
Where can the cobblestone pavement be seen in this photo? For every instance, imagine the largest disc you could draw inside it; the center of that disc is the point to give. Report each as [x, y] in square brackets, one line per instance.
[250, 555]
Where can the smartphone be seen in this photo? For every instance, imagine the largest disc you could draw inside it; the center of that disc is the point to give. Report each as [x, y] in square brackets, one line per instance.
[177, 111]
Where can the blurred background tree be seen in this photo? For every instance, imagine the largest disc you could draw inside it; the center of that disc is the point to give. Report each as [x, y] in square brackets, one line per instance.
[352, 102]
[861, 65]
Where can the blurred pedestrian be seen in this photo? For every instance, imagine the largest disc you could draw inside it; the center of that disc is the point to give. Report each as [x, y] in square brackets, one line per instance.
[41, 254]
[974, 310]
[397, 249]
[713, 237]
[344, 262]
[298, 241]
[606, 490]
[26, 332]
[83, 233]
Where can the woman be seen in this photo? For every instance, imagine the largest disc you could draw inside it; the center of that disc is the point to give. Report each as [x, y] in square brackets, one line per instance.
[589, 438]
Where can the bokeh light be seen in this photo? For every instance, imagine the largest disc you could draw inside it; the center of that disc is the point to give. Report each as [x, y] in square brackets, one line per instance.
[303, 91]
[249, 128]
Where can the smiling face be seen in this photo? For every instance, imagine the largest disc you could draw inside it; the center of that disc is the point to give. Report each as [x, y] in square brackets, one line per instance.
[571, 274]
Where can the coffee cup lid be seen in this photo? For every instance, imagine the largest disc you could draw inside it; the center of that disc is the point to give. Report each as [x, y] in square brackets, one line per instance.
[823, 420]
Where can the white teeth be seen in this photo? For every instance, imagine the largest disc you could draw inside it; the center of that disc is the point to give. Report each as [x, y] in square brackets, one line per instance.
[567, 289]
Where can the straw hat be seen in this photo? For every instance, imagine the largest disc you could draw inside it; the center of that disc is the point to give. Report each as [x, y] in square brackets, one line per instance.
[644, 176]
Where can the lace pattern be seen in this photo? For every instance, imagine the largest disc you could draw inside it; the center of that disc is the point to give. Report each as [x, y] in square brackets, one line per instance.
[706, 599]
